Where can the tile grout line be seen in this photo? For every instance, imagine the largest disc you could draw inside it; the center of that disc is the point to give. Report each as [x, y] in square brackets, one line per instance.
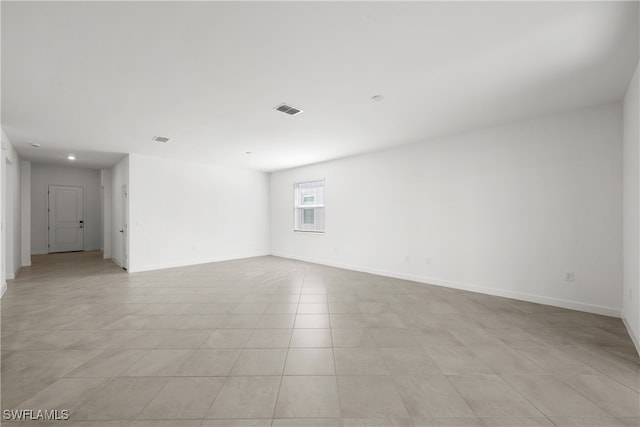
[275, 405]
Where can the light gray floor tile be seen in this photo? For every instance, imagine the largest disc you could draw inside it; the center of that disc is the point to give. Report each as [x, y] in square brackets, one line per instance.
[279, 308]
[184, 339]
[409, 361]
[516, 421]
[432, 396]
[311, 338]
[552, 397]
[313, 321]
[271, 321]
[378, 422]
[144, 339]
[616, 399]
[109, 363]
[171, 423]
[228, 338]
[491, 396]
[308, 397]
[457, 360]
[158, 363]
[586, 422]
[101, 339]
[306, 298]
[307, 422]
[205, 321]
[246, 397]
[359, 361]
[313, 308]
[310, 361]
[370, 397]
[66, 393]
[352, 337]
[436, 338]
[348, 321]
[241, 321]
[210, 363]
[260, 361]
[392, 337]
[269, 338]
[448, 422]
[249, 309]
[506, 360]
[122, 398]
[183, 398]
[555, 361]
[382, 320]
[630, 421]
[237, 423]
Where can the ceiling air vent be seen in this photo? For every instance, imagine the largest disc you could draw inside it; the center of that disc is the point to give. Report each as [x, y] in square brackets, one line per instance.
[160, 139]
[288, 109]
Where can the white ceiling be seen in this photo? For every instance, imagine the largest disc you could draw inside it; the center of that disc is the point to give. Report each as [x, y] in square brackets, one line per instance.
[108, 76]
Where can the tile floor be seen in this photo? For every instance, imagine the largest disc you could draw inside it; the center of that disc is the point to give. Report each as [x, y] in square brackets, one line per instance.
[274, 342]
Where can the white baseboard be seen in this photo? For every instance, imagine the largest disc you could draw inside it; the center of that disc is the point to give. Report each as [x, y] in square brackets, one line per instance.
[11, 276]
[193, 262]
[634, 338]
[3, 288]
[539, 299]
[41, 252]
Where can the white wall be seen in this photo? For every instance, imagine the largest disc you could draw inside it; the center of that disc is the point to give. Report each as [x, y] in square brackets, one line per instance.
[506, 211]
[119, 177]
[11, 212]
[187, 213]
[106, 182]
[631, 230]
[44, 175]
[25, 203]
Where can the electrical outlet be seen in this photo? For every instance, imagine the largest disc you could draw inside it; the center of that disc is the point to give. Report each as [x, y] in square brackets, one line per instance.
[427, 260]
[569, 277]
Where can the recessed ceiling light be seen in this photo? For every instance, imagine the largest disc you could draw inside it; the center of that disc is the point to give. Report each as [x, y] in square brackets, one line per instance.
[34, 145]
[377, 98]
[71, 157]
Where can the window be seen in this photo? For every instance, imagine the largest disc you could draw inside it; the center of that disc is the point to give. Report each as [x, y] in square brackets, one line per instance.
[309, 206]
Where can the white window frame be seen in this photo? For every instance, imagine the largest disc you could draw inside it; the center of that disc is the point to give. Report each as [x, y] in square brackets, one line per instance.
[299, 207]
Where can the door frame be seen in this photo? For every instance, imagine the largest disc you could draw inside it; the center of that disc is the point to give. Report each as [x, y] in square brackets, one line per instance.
[124, 194]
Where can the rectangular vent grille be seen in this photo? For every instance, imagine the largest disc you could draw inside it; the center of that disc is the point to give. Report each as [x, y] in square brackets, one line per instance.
[160, 139]
[288, 109]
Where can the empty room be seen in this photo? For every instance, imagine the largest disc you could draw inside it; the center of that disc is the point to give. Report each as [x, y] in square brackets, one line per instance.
[320, 214]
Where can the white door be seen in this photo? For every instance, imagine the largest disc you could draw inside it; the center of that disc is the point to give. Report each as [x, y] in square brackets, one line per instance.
[66, 218]
[125, 228]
